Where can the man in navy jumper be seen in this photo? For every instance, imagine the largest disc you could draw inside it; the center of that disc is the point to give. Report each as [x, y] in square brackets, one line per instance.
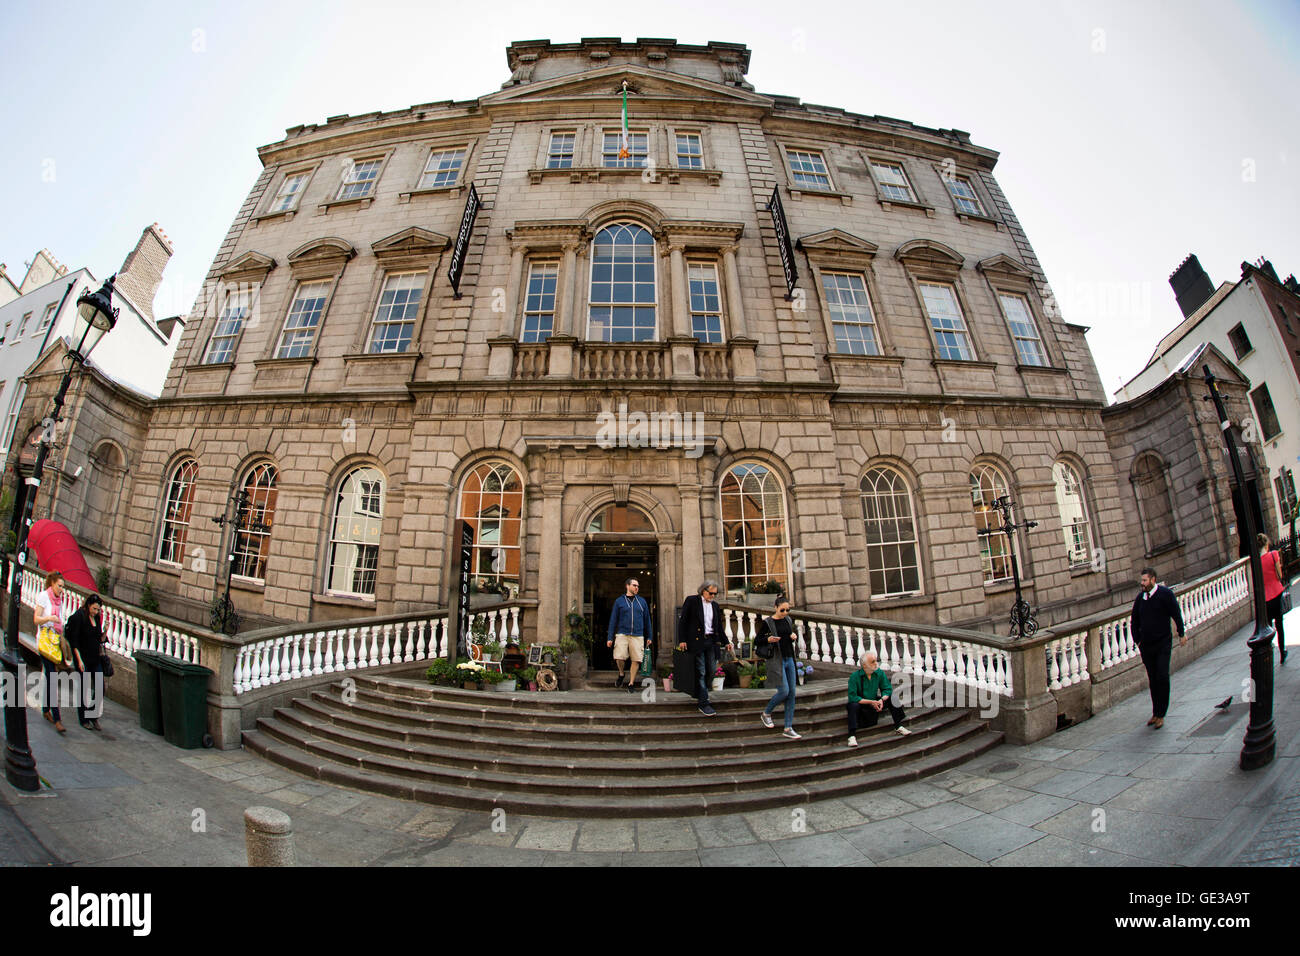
[1153, 611]
[629, 631]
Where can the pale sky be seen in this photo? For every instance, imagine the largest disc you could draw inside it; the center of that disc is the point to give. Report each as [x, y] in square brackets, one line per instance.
[1130, 133]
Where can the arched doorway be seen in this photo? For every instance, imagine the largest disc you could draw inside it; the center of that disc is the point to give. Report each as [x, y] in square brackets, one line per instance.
[621, 543]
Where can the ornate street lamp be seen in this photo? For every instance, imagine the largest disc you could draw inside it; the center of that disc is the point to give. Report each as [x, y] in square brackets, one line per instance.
[1023, 622]
[1260, 742]
[223, 618]
[95, 309]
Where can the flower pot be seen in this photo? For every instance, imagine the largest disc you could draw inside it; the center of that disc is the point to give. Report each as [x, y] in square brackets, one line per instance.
[469, 684]
[668, 685]
[718, 682]
[745, 679]
[801, 680]
[532, 685]
[505, 687]
[562, 682]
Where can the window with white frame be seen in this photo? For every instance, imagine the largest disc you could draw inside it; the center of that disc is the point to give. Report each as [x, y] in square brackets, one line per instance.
[11, 419]
[48, 317]
[622, 300]
[359, 179]
[394, 322]
[638, 149]
[353, 560]
[893, 182]
[559, 155]
[492, 503]
[808, 168]
[22, 326]
[705, 301]
[852, 320]
[755, 542]
[290, 192]
[892, 564]
[986, 485]
[1265, 412]
[442, 168]
[176, 511]
[1074, 515]
[1029, 347]
[963, 195]
[539, 301]
[253, 539]
[221, 347]
[303, 319]
[950, 335]
[690, 151]
[4, 334]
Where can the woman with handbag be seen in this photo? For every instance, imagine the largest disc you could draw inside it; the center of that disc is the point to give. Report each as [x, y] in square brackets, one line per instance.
[86, 637]
[50, 642]
[776, 636]
[1273, 589]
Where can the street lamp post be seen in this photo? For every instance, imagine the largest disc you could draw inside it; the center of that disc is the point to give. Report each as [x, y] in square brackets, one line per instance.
[224, 619]
[96, 310]
[1260, 742]
[1023, 623]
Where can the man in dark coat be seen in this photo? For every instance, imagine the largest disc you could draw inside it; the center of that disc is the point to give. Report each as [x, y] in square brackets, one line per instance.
[1153, 611]
[86, 635]
[701, 632]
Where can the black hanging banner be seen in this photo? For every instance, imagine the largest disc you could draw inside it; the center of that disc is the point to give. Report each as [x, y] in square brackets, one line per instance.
[462, 589]
[457, 265]
[783, 242]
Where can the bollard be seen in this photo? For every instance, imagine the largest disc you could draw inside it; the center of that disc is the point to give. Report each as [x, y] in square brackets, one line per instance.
[268, 835]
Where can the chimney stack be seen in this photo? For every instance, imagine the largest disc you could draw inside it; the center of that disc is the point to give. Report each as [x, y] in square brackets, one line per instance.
[142, 271]
[1192, 287]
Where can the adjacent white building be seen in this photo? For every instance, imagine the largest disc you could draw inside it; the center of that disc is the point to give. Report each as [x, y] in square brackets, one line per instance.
[137, 354]
[1254, 321]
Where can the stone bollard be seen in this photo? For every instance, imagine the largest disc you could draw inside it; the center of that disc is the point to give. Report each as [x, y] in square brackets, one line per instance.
[268, 835]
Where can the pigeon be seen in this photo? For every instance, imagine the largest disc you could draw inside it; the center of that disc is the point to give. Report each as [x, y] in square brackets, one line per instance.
[1224, 705]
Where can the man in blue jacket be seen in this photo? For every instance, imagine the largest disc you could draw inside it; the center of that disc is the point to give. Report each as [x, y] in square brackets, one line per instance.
[629, 632]
[1153, 611]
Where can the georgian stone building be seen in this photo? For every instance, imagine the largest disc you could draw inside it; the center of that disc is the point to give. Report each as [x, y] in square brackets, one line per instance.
[625, 384]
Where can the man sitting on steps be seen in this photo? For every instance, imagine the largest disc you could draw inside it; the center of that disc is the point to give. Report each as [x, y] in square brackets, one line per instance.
[869, 694]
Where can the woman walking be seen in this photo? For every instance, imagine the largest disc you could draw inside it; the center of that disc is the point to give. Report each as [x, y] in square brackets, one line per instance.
[86, 636]
[1273, 588]
[777, 631]
[49, 612]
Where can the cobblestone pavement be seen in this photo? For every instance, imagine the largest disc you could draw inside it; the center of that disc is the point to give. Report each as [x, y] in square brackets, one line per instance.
[1107, 792]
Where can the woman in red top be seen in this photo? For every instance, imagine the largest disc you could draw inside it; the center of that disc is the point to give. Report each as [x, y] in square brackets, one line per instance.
[1273, 588]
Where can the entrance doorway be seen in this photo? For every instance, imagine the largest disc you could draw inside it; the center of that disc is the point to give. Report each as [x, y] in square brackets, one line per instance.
[607, 565]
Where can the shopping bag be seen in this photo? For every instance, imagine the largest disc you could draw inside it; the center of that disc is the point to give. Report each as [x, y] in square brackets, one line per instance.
[684, 672]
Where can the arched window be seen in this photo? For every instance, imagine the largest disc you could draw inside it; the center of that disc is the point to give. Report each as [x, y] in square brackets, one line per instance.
[891, 534]
[492, 501]
[622, 300]
[755, 542]
[103, 495]
[176, 511]
[1155, 508]
[253, 538]
[1074, 514]
[354, 533]
[987, 484]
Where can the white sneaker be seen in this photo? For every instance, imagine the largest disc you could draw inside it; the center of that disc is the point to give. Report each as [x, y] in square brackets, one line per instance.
[790, 732]
[903, 731]
[853, 741]
[767, 719]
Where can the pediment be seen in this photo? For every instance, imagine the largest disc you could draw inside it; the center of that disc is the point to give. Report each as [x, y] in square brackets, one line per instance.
[322, 250]
[412, 241]
[250, 264]
[929, 251]
[1223, 369]
[1004, 265]
[606, 82]
[837, 242]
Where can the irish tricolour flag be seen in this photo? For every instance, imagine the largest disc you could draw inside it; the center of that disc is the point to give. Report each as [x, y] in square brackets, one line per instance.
[623, 150]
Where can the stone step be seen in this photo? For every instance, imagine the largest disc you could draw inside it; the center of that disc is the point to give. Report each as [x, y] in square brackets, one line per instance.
[720, 750]
[610, 805]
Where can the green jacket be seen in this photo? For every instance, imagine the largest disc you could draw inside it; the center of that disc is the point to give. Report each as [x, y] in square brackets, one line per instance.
[873, 687]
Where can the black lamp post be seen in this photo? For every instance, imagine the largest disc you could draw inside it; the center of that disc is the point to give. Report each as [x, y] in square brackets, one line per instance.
[1260, 742]
[1023, 623]
[95, 309]
[224, 619]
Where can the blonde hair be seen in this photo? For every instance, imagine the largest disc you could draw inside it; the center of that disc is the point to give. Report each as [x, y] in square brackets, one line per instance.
[52, 577]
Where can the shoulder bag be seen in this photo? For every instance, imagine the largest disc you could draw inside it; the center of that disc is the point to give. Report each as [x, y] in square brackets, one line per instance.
[764, 648]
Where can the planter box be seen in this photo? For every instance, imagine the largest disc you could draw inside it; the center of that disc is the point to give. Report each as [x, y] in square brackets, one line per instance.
[505, 687]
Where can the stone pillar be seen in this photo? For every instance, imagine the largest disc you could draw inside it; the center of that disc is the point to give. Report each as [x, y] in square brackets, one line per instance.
[692, 540]
[549, 612]
[735, 300]
[268, 837]
[512, 293]
[681, 310]
[1031, 714]
[568, 291]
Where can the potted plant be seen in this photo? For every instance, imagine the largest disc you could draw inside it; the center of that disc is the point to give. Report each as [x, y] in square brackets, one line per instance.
[576, 645]
[747, 673]
[802, 671]
[528, 677]
[719, 678]
[762, 593]
[667, 674]
[499, 681]
[440, 672]
[491, 650]
[760, 675]
[469, 674]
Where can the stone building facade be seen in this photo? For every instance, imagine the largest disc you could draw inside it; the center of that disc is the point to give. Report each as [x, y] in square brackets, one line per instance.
[625, 383]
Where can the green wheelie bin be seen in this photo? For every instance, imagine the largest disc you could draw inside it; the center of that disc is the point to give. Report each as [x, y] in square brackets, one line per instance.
[148, 691]
[184, 703]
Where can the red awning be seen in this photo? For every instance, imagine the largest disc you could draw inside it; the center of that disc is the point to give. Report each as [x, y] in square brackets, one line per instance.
[56, 550]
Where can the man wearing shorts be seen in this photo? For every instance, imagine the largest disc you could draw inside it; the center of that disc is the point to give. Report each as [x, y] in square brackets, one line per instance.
[629, 632]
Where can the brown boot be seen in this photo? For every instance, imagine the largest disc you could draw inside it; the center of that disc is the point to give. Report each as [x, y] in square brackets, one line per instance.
[1158, 723]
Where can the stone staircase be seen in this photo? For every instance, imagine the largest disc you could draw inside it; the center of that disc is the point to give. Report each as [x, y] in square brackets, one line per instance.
[601, 754]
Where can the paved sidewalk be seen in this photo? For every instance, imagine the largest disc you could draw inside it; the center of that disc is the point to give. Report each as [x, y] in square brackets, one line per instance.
[1107, 792]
